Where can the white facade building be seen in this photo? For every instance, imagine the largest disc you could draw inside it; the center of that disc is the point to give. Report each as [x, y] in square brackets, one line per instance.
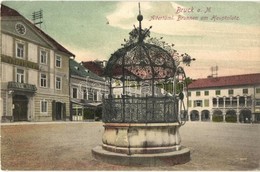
[86, 92]
[228, 98]
[34, 72]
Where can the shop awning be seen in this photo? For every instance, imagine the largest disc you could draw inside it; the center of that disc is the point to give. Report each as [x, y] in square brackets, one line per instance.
[86, 103]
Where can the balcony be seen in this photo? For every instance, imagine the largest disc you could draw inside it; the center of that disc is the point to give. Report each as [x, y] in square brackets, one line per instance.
[16, 86]
[232, 107]
[239, 102]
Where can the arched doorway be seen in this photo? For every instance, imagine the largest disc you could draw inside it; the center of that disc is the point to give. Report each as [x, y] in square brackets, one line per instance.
[217, 116]
[194, 115]
[231, 116]
[20, 109]
[205, 115]
[245, 116]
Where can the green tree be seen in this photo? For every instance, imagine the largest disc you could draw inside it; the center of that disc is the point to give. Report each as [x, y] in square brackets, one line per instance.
[179, 86]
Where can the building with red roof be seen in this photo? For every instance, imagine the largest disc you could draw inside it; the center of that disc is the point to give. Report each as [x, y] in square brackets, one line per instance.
[227, 98]
[96, 67]
[35, 72]
[226, 81]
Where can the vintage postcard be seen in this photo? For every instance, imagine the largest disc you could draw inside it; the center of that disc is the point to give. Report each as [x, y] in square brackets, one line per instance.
[116, 85]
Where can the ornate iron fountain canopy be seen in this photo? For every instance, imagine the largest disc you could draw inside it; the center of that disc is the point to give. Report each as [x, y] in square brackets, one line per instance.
[144, 59]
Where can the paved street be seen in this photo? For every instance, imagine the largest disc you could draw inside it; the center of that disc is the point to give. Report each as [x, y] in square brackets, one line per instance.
[67, 146]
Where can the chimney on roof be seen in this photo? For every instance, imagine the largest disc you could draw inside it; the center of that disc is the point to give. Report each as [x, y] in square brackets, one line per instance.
[214, 72]
[104, 63]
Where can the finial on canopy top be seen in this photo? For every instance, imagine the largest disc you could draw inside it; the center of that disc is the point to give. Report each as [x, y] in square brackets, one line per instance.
[139, 17]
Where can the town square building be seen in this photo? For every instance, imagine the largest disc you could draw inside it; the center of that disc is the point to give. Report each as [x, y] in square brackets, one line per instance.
[87, 91]
[227, 98]
[97, 67]
[34, 72]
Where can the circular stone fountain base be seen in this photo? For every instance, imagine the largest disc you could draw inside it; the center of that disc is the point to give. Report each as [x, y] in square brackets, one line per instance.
[143, 144]
[157, 159]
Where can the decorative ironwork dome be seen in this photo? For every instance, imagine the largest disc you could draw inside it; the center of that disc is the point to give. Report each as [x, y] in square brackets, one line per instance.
[142, 58]
[148, 63]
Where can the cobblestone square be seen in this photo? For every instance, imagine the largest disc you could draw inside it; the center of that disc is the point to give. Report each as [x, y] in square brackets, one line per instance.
[67, 146]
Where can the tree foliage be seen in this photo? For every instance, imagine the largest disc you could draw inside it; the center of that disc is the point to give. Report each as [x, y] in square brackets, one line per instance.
[179, 86]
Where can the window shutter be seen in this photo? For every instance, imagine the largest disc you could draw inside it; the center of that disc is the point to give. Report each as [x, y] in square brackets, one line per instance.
[64, 111]
[53, 110]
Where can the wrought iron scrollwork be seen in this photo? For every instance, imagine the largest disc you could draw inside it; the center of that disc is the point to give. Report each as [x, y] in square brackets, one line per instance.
[181, 91]
[150, 62]
[140, 109]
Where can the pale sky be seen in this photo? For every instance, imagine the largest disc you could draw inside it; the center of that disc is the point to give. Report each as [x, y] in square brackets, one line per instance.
[228, 37]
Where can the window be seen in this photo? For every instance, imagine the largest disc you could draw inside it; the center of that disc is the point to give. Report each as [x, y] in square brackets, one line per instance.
[189, 93]
[58, 83]
[206, 93]
[249, 100]
[221, 102]
[43, 80]
[214, 102]
[227, 102]
[217, 92]
[20, 50]
[198, 103]
[85, 94]
[95, 96]
[230, 92]
[189, 103]
[58, 61]
[197, 93]
[257, 102]
[43, 57]
[44, 106]
[245, 91]
[90, 94]
[20, 75]
[74, 93]
[257, 90]
[206, 102]
[234, 101]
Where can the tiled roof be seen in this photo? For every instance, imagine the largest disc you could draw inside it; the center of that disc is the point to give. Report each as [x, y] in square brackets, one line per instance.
[118, 71]
[79, 70]
[93, 67]
[225, 81]
[7, 11]
[97, 69]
